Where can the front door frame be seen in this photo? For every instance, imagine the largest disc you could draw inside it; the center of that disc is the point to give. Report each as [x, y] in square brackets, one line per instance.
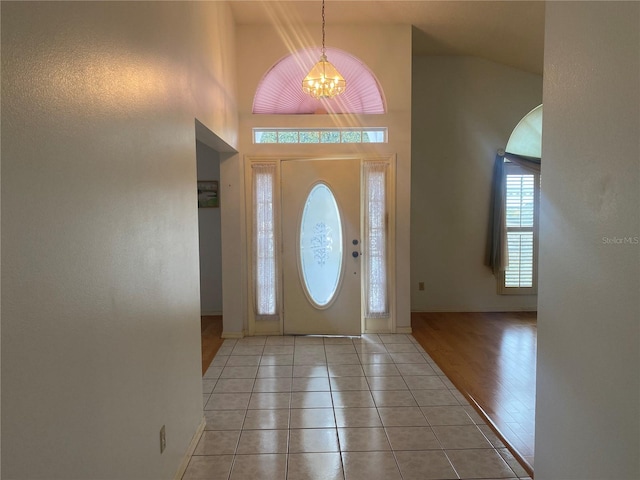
[275, 326]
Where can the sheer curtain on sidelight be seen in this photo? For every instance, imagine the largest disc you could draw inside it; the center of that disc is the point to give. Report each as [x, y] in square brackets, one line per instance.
[264, 238]
[375, 241]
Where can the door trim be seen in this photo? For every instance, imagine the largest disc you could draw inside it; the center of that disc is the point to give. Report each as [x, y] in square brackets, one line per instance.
[276, 326]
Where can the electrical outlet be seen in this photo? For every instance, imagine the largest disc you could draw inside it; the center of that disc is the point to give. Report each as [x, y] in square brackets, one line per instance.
[163, 439]
[420, 285]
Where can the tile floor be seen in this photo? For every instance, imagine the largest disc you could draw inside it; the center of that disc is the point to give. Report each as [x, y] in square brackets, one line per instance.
[324, 408]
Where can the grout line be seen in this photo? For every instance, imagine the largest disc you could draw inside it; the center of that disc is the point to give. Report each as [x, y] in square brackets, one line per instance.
[333, 406]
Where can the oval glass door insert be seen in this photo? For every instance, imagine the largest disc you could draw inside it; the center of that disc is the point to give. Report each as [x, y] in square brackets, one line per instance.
[321, 245]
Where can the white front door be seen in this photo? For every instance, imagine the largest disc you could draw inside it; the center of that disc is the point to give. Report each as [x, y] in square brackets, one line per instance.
[321, 246]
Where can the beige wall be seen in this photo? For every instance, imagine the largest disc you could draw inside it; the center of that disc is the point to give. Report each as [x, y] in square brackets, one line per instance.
[386, 50]
[100, 305]
[588, 388]
[464, 110]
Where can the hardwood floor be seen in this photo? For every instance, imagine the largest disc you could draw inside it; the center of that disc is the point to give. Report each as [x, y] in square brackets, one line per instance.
[211, 331]
[491, 359]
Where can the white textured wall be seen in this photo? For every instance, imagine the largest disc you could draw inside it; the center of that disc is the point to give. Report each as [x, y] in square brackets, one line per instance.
[234, 257]
[100, 299]
[210, 236]
[386, 50]
[588, 388]
[464, 110]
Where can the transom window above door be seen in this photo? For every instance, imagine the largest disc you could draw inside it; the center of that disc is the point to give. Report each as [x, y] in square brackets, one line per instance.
[320, 135]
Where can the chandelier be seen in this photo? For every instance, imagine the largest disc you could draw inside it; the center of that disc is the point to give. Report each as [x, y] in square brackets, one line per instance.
[324, 80]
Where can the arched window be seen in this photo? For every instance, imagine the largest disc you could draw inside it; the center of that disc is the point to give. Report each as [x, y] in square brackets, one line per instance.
[521, 204]
[280, 90]
[526, 138]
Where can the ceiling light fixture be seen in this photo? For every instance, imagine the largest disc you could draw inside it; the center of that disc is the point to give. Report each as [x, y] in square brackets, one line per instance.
[324, 80]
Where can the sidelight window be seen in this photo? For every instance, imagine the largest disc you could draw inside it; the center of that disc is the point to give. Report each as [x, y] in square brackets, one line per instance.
[265, 262]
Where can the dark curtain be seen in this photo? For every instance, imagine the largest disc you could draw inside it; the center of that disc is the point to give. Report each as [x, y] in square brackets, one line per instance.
[497, 257]
[496, 244]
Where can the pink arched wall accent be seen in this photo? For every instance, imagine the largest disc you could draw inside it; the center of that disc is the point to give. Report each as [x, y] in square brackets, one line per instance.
[280, 90]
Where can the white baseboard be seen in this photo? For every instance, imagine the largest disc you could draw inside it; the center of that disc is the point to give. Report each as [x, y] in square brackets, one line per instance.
[404, 330]
[232, 335]
[475, 310]
[376, 331]
[272, 333]
[192, 448]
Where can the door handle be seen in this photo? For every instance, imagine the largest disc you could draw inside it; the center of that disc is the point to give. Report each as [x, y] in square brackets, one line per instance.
[355, 254]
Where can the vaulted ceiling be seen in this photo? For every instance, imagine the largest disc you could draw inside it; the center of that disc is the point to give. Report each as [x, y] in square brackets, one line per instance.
[507, 32]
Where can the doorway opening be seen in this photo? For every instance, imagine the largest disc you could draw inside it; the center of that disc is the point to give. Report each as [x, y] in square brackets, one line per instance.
[211, 150]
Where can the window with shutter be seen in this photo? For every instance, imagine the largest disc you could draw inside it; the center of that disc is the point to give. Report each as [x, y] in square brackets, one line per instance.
[522, 195]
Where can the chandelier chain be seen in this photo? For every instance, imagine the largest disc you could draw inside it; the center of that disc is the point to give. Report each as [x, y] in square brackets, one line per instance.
[323, 81]
[323, 49]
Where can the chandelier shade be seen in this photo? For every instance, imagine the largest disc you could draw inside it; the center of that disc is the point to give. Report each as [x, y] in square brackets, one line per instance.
[324, 80]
